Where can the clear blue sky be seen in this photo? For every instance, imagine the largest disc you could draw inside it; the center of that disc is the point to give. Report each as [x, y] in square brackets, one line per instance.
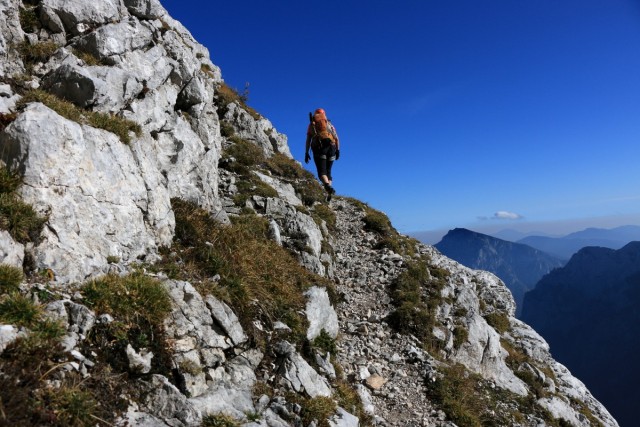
[450, 111]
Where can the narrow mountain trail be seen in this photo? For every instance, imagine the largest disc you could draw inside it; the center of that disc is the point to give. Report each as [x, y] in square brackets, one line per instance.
[391, 367]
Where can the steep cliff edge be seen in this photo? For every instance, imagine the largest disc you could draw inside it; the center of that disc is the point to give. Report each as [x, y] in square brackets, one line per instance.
[181, 269]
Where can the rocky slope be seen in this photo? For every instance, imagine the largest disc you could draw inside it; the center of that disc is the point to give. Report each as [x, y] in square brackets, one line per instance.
[166, 262]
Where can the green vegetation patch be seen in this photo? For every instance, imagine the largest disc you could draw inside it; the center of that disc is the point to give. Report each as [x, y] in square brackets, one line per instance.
[499, 321]
[37, 52]
[10, 278]
[139, 304]
[18, 218]
[219, 420]
[379, 223]
[470, 400]
[109, 122]
[416, 295]
[29, 19]
[259, 279]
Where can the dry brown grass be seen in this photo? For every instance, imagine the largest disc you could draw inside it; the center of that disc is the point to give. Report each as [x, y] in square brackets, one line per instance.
[259, 279]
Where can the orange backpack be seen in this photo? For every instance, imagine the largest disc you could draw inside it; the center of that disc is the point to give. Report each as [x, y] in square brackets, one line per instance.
[321, 128]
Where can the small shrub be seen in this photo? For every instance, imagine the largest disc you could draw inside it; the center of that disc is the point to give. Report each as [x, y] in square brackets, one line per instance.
[219, 420]
[17, 309]
[322, 212]
[129, 298]
[349, 399]
[325, 343]
[252, 186]
[455, 391]
[498, 321]
[38, 52]
[29, 19]
[88, 58]
[309, 190]
[245, 153]
[318, 409]
[6, 119]
[284, 166]
[377, 222]
[19, 219]
[227, 95]
[112, 259]
[259, 279]
[10, 278]
[412, 314]
[71, 406]
[64, 108]
[460, 336]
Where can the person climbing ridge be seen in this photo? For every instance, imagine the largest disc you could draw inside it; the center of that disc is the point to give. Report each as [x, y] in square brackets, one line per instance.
[323, 140]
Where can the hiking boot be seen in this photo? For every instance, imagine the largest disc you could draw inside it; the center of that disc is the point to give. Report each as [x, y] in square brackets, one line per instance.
[330, 191]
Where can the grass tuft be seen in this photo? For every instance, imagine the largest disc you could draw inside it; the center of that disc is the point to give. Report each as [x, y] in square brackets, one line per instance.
[38, 52]
[498, 321]
[416, 295]
[219, 420]
[19, 219]
[10, 278]
[258, 278]
[29, 19]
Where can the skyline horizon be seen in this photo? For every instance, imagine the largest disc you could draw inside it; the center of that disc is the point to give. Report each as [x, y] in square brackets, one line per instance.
[553, 228]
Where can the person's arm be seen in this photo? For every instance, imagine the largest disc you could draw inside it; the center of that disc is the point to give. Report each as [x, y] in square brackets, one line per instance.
[307, 145]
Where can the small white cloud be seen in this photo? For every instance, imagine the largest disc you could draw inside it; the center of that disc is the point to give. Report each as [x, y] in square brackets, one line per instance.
[507, 215]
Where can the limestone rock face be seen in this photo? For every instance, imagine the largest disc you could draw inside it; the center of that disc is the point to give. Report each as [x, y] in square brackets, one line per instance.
[94, 210]
[11, 35]
[104, 198]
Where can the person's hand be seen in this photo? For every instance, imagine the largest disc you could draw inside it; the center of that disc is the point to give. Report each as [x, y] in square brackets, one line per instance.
[337, 154]
[307, 157]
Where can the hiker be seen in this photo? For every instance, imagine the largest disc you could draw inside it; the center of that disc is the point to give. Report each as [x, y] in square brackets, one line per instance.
[323, 140]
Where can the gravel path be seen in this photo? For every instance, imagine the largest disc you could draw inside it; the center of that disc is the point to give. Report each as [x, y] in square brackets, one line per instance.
[390, 366]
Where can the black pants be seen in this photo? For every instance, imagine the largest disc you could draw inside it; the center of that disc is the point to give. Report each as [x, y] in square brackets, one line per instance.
[323, 157]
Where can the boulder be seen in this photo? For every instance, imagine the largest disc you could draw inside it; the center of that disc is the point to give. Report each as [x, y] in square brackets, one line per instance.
[231, 387]
[11, 252]
[298, 374]
[145, 9]
[227, 319]
[139, 362]
[106, 89]
[320, 314]
[79, 16]
[259, 131]
[164, 401]
[343, 419]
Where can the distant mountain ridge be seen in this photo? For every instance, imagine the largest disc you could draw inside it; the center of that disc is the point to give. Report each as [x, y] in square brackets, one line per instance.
[565, 247]
[588, 313]
[518, 265]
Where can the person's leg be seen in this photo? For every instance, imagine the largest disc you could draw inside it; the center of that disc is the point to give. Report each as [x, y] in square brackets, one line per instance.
[321, 167]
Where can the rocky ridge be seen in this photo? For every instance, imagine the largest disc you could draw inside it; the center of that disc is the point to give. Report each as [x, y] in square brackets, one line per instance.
[73, 72]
